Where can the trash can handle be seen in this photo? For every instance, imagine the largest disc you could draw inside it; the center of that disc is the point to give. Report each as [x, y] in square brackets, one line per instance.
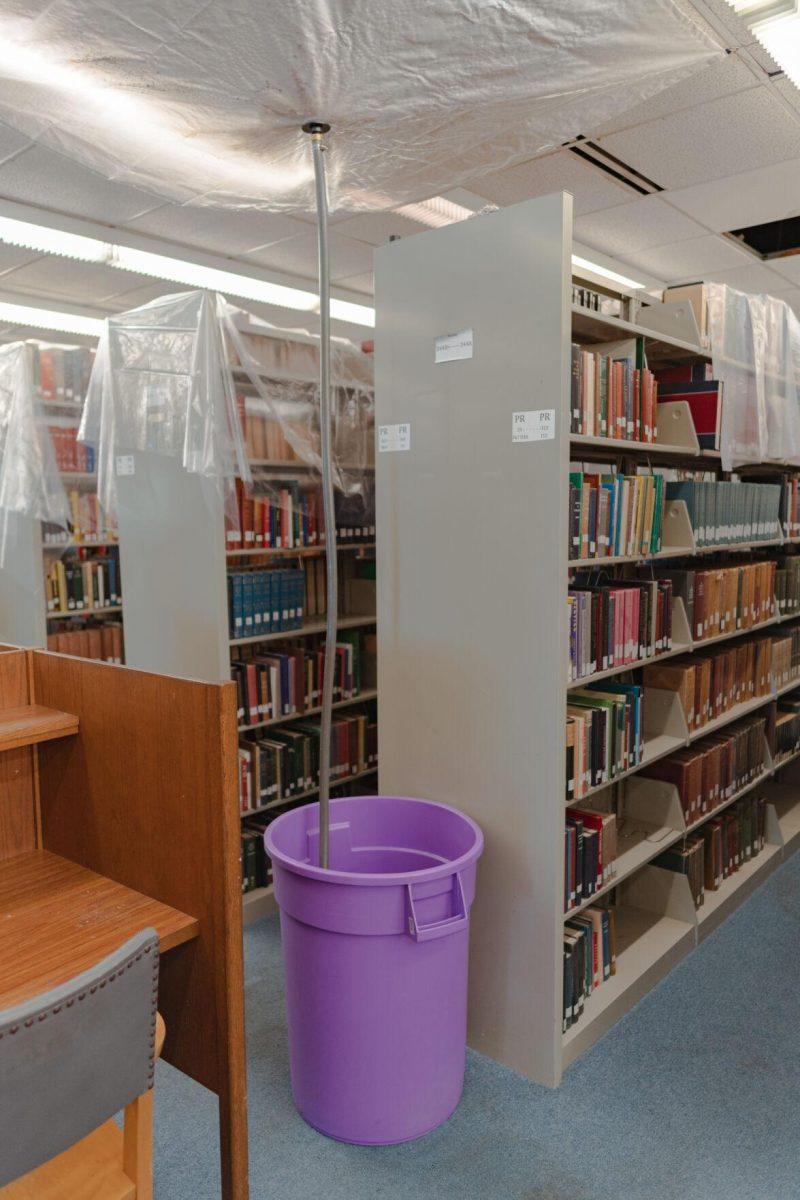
[438, 929]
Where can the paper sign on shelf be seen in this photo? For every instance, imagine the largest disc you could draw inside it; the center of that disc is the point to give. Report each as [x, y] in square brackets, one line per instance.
[125, 464]
[451, 346]
[394, 437]
[536, 425]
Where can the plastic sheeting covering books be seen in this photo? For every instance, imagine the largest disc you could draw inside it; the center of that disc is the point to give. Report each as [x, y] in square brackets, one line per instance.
[755, 346]
[163, 382]
[30, 482]
[204, 102]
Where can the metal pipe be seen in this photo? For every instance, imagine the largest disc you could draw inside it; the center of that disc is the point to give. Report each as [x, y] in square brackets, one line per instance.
[318, 131]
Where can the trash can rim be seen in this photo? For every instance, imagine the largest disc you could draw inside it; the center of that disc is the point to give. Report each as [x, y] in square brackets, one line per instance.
[365, 879]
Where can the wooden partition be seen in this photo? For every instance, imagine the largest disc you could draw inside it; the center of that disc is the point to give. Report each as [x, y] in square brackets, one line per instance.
[145, 794]
[19, 810]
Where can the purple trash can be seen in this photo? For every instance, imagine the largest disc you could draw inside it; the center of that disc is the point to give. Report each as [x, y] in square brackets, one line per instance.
[375, 951]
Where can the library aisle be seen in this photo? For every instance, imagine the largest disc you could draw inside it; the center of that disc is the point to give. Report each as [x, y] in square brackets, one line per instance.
[724, 1072]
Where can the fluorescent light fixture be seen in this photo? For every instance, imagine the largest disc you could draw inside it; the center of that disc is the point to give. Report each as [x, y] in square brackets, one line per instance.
[614, 276]
[435, 212]
[780, 37]
[174, 270]
[46, 318]
[776, 24]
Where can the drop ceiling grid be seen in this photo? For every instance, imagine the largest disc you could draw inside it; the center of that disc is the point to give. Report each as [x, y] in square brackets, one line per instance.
[741, 132]
[590, 187]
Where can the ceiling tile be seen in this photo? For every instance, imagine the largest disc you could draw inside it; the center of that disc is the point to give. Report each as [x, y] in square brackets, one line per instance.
[379, 227]
[747, 198]
[755, 277]
[788, 267]
[680, 262]
[298, 255]
[219, 231]
[67, 279]
[625, 228]
[12, 257]
[722, 78]
[359, 283]
[42, 177]
[135, 297]
[741, 132]
[11, 141]
[562, 171]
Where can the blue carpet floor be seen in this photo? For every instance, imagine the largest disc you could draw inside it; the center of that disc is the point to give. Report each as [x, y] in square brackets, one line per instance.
[693, 1096]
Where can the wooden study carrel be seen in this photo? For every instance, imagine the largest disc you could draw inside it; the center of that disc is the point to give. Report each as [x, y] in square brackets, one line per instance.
[118, 810]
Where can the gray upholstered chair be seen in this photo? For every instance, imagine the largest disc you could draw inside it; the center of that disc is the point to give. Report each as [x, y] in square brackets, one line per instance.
[70, 1059]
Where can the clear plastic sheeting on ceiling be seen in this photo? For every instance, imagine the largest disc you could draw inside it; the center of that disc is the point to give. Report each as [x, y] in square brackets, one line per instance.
[203, 102]
[755, 346]
[30, 482]
[185, 375]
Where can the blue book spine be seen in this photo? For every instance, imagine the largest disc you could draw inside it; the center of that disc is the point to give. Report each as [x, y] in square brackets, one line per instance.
[299, 585]
[275, 600]
[236, 613]
[263, 601]
[247, 602]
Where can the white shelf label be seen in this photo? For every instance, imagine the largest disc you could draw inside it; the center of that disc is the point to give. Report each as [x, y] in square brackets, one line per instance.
[125, 464]
[451, 346]
[394, 437]
[536, 425]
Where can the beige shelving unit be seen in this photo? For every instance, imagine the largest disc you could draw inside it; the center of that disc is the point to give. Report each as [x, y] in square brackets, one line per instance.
[472, 580]
[172, 529]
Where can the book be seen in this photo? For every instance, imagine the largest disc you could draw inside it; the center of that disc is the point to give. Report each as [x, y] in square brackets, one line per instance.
[88, 638]
[613, 394]
[712, 770]
[589, 960]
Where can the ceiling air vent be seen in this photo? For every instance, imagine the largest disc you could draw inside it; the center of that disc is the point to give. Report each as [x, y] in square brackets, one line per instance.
[609, 164]
[775, 239]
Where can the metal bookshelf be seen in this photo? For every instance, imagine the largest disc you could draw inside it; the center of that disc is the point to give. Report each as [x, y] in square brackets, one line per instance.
[472, 575]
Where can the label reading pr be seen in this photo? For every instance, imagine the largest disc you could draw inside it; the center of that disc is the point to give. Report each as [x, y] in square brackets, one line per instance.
[394, 437]
[125, 464]
[536, 425]
[451, 346]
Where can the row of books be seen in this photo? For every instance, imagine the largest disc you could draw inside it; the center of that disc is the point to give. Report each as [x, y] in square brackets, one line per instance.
[605, 734]
[614, 515]
[61, 373]
[711, 771]
[284, 763]
[287, 680]
[269, 601]
[88, 523]
[612, 624]
[264, 437]
[725, 599]
[288, 515]
[785, 656]
[784, 735]
[726, 512]
[711, 684]
[720, 848]
[590, 957]
[256, 863]
[609, 306]
[76, 585]
[94, 639]
[71, 455]
[610, 397]
[590, 852]
[283, 517]
[787, 585]
[790, 505]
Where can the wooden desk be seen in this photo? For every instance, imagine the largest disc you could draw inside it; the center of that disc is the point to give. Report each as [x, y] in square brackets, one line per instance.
[58, 919]
[119, 810]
